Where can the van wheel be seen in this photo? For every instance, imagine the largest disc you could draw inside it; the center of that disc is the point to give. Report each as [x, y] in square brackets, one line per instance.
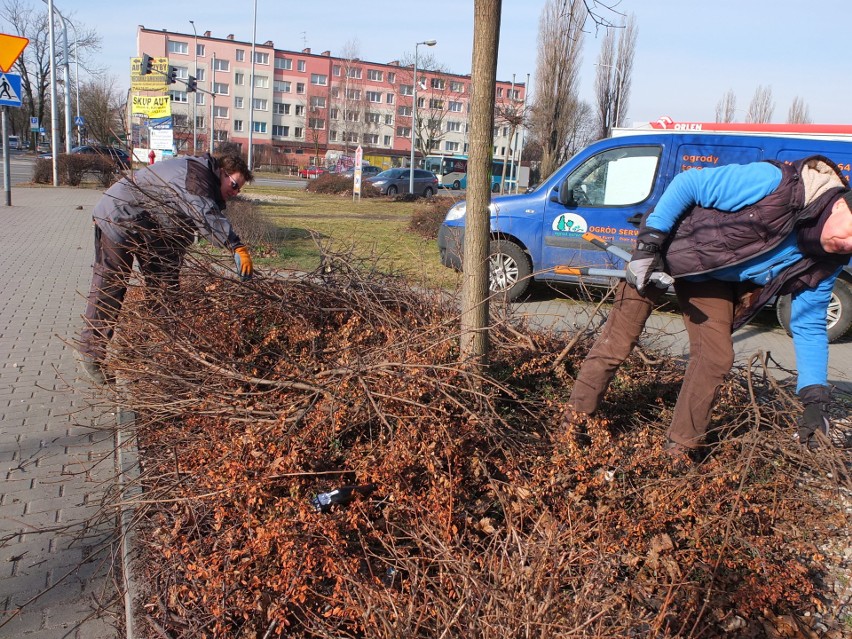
[456, 185]
[838, 318]
[392, 190]
[509, 269]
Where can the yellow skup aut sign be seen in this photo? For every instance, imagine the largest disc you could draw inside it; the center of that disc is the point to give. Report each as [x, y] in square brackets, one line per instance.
[157, 80]
[157, 106]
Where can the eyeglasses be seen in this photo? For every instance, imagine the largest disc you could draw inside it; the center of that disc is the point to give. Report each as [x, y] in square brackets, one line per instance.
[234, 184]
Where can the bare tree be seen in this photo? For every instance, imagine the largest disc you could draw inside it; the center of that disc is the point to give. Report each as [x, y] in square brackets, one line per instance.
[614, 76]
[483, 76]
[761, 107]
[557, 105]
[103, 105]
[510, 111]
[799, 112]
[726, 107]
[433, 93]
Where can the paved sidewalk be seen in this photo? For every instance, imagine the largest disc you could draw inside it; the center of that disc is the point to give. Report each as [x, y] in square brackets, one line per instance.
[56, 449]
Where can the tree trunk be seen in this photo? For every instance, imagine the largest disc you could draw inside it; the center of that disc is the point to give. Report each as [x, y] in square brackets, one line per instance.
[474, 312]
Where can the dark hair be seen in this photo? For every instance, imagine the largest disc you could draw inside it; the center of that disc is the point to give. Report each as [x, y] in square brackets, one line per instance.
[233, 162]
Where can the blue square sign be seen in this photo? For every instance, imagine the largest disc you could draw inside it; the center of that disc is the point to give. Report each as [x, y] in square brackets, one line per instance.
[10, 89]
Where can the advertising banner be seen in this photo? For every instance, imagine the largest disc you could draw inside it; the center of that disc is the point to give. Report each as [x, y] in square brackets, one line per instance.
[157, 106]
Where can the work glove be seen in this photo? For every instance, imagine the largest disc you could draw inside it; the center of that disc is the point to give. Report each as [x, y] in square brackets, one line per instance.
[243, 262]
[814, 418]
[647, 257]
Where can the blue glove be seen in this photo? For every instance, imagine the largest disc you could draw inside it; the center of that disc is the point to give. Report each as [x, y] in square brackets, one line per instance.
[647, 258]
[814, 418]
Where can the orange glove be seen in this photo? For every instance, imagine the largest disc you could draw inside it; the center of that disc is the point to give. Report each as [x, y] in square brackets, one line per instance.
[243, 262]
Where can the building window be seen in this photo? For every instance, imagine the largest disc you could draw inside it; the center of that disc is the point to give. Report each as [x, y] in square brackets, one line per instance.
[220, 135]
[353, 94]
[374, 96]
[353, 116]
[199, 122]
[389, 120]
[285, 64]
[374, 118]
[222, 65]
[391, 77]
[319, 79]
[406, 89]
[280, 131]
[457, 87]
[335, 70]
[435, 104]
[499, 92]
[334, 113]
[389, 98]
[404, 111]
[261, 57]
[280, 108]
[370, 138]
[453, 126]
[455, 107]
[332, 136]
[282, 86]
[199, 74]
[403, 131]
[178, 47]
[421, 102]
[515, 94]
[300, 109]
[178, 96]
[437, 83]
[239, 78]
[451, 146]
[238, 102]
[238, 125]
[318, 101]
[354, 72]
[221, 88]
[181, 73]
[351, 136]
[387, 140]
[298, 132]
[301, 66]
[260, 104]
[220, 112]
[259, 127]
[199, 98]
[316, 123]
[375, 75]
[239, 56]
[199, 50]
[300, 88]
[261, 82]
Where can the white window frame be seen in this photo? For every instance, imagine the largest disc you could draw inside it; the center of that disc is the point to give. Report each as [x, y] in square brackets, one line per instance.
[179, 48]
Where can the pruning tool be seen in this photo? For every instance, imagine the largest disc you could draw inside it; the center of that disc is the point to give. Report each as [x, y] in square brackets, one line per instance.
[660, 279]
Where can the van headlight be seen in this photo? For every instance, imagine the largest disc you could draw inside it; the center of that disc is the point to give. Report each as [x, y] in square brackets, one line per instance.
[457, 211]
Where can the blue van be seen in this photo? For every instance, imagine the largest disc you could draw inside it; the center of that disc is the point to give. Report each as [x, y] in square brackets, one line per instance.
[605, 189]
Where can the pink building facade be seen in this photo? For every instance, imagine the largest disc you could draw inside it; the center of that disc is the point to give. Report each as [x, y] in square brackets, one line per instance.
[316, 108]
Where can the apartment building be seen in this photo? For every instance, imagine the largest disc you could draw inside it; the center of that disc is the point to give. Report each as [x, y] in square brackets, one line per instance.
[309, 107]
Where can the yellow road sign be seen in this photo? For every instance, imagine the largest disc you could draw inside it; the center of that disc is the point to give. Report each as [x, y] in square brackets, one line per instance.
[11, 47]
[157, 80]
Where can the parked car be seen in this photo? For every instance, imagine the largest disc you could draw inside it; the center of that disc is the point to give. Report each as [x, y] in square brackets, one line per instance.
[14, 143]
[312, 171]
[366, 172]
[43, 147]
[395, 181]
[119, 156]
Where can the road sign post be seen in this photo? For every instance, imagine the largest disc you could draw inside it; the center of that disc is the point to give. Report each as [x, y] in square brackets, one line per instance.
[11, 47]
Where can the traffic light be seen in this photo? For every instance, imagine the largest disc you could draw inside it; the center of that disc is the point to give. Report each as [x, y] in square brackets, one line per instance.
[147, 65]
[191, 84]
[172, 74]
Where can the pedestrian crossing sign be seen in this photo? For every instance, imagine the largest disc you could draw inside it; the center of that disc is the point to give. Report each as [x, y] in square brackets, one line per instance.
[10, 90]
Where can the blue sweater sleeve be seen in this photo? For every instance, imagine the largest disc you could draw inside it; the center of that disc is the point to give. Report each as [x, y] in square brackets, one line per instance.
[810, 335]
[727, 188]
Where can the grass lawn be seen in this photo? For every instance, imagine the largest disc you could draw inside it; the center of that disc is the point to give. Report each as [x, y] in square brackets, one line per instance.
[375, 229]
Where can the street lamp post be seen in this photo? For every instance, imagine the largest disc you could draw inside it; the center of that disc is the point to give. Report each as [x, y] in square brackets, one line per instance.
[251, 91]
[428, 43]
[195, 97]
[618, 88]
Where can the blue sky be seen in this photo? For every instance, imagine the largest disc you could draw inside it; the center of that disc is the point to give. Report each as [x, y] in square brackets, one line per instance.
[689, 53]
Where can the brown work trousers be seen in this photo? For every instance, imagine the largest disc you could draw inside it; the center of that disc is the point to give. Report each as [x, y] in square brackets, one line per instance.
[708, 313]
[159, 261]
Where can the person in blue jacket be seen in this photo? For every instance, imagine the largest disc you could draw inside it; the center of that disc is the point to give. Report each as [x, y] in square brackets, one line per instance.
[733, 237]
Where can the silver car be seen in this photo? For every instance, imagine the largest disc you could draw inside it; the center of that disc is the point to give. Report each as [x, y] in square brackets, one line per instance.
[395, 181]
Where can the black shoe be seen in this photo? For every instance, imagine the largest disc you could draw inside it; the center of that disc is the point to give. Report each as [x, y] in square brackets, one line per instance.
[93, 369]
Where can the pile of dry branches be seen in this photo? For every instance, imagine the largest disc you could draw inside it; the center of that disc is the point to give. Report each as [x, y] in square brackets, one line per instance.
[253, 397]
